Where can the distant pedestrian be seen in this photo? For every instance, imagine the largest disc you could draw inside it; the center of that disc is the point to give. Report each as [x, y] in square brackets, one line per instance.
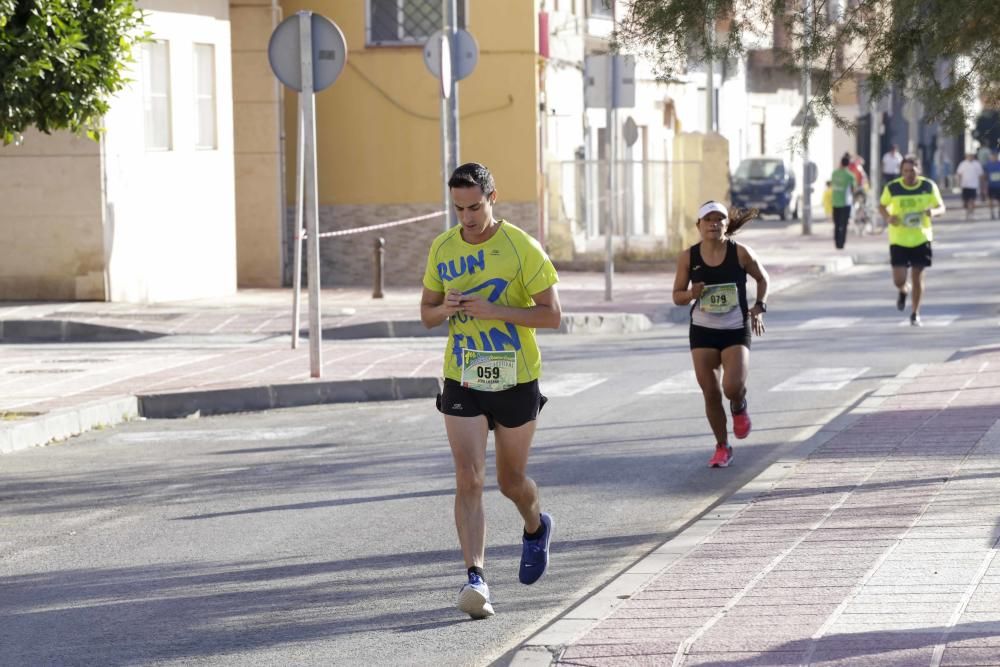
[713, 275]
[891, 163]
[992, 170]
[494, 285]
[843, 183]
[828, 201]
[907, 205]
[971, 178]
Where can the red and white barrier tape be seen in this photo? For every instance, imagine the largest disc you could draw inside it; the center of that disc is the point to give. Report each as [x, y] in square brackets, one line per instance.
[383, 225]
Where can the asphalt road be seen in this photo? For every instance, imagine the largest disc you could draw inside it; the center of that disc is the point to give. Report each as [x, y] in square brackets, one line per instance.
[324, 535]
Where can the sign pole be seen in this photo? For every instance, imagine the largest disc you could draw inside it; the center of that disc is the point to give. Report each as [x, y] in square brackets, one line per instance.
[451, 34]
[307, 102]
[297, 261]
[444, 69]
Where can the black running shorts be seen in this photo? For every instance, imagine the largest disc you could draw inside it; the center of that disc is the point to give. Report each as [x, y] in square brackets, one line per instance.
[969, 194]
[902, 256]
[994, 193]
[719, 339]
[510, 408]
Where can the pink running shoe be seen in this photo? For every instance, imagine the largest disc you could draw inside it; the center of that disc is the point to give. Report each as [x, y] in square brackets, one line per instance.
[741, 422]
[722, 458]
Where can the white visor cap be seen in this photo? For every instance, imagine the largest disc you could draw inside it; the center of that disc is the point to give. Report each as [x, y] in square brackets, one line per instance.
[711, 206]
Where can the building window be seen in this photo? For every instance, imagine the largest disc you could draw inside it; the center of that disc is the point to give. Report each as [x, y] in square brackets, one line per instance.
[204, 95]
[601, 8]
[406, 22]
[156, 95]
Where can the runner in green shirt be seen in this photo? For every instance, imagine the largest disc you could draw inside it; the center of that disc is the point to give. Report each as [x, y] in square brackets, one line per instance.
[907, 205]
[842, 182]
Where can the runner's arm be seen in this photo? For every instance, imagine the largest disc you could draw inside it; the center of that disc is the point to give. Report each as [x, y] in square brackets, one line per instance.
[545, 314]
[436, 307]
[753, 267]
[682, 295]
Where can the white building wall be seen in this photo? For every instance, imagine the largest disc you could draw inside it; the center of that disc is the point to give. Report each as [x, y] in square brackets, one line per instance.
[170, 215]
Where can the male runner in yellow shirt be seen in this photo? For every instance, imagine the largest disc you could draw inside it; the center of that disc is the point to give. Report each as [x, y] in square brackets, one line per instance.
[495, 285]
[907, 205]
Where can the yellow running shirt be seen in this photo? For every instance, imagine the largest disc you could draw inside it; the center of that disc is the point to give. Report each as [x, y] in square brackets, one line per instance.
[508, 269]
[910, 204]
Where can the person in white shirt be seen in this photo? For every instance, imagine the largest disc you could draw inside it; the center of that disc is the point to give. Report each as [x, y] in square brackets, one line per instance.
[891, 163]
[970, 176]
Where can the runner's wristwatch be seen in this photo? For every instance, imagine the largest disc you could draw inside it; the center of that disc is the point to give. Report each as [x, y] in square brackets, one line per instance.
[763, 306]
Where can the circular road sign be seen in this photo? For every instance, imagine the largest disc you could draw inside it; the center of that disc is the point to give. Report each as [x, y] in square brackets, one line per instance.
[329, 52]
[466, 54]
[630, 131]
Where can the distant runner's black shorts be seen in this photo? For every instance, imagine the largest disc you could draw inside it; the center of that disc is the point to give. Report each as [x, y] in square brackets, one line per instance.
[903, 256]
[969, 194]
[719, 339]
[994, 193]
[510, 408]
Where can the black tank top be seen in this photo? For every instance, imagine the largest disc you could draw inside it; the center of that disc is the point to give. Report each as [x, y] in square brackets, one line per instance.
[729, 271]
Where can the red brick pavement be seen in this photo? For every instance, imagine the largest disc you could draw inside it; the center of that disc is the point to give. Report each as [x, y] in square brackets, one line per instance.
[879, 548]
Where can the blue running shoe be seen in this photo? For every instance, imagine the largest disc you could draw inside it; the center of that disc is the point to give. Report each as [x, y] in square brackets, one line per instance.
[535, 554]
[474, 598]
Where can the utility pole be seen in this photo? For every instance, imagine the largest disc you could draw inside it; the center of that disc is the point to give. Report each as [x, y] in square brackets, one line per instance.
[609, 225]
[806, 129]
[710, 79]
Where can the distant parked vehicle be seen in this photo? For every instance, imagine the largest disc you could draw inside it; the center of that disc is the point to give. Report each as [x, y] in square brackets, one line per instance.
[767, 184]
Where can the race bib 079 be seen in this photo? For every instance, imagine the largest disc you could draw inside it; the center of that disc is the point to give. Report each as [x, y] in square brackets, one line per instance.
[719, 299]
[486, 370]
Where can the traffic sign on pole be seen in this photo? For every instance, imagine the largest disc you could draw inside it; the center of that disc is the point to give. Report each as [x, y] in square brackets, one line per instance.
[307, 53]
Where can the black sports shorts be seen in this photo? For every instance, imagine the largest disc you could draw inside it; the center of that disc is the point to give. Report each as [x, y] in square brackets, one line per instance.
[969, 194]
[510, 408]
[903, 256]
[719, 339]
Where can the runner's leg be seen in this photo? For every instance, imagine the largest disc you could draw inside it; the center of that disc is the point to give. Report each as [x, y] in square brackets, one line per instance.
[735, 369]
[706, 368]
[513, 446]
[917, 274]
[467, 437]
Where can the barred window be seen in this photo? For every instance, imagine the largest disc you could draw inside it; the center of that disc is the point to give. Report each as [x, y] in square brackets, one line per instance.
[395, 22]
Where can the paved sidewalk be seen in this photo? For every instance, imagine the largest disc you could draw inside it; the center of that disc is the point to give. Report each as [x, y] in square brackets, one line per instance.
[877, 545]
[68, 367]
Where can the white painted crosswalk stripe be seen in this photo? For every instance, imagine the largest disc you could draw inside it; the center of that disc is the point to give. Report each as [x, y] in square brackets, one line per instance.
[932, 320]
[569, 384]
[829, 323]
[684, 382]
[820, 379]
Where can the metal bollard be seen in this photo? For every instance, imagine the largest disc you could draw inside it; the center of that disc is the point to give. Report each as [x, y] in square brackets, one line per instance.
[379, 267]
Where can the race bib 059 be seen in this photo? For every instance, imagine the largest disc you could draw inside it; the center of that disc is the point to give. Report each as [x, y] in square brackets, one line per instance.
[486, 370]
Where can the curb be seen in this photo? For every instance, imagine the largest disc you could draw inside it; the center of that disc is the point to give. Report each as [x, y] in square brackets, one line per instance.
[268, 397]
[544, 646]
[68, 331]
[602, 323]
[62, 424]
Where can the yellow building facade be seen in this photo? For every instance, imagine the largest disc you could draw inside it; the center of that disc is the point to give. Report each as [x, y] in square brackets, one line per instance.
[379, 136]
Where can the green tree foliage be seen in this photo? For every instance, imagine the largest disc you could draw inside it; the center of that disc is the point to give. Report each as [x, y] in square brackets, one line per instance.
[939, 52]
[61, 61]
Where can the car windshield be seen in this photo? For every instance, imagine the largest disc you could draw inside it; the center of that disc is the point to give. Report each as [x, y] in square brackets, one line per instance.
[760, 169]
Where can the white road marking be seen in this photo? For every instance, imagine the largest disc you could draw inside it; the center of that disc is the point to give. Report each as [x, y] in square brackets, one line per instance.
[220, 435]
[820, 379]
[932, 320]
[684, 382]
[570, 384]
[829, 323]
